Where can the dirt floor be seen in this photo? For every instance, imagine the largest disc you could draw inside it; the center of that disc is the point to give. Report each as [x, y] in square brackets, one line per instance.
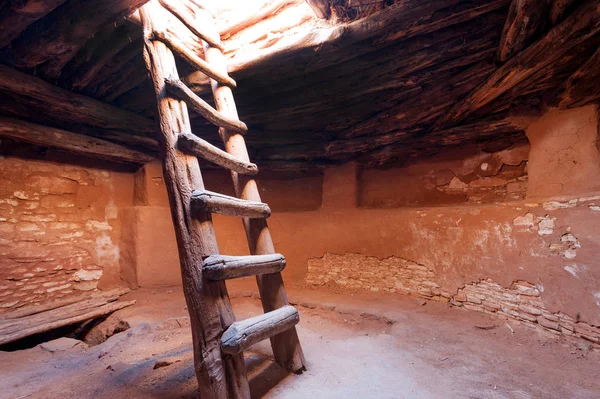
[356, 346]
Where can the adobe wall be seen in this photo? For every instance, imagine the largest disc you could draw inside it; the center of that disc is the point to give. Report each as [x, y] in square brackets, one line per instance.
[511, 232]
[59, 227]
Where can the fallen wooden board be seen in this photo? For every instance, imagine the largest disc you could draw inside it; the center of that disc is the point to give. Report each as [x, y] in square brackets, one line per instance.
[34, 320]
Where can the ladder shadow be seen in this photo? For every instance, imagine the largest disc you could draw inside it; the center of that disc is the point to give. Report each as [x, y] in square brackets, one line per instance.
[263, 373]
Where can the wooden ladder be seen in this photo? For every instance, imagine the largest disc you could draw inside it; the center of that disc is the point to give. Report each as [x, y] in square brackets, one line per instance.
[219, 341]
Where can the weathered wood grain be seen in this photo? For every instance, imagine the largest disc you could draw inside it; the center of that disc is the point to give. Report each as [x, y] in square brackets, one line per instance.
[178, 89]
[558, 9]
[243, 334]
[67, 106]
[98, 52]
[526, 20]
[193, 145]
[42, 320]
[207, 301]
[579, 26]
[72, 142]
[194, 60]
[208, 201]
[109, 296]
[286, 345]
[19, 14]
[222, 267]
[54, 41]
[583, 86]
[185, 15]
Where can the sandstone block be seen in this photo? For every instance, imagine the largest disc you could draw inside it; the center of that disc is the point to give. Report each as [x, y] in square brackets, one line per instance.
[548, 324]
[530, 309]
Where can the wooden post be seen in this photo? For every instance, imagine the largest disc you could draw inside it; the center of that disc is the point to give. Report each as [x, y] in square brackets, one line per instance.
[207, 301]
[286, 346]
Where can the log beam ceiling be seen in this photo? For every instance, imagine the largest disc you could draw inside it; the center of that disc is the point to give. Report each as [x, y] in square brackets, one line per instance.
[382, 85]
[75, 143]
[573, 31]
[71, 25]
[62, 106]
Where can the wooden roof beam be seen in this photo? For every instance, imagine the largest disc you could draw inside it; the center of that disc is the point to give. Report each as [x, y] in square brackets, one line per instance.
[46, 136]
[578, 27]
[19, 14]
[64, 106]
[582, 86]
[526, 20]
[65, 32]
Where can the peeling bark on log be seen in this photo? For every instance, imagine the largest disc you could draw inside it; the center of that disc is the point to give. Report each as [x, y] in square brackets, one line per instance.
[579, 26]
[19, 14]
[526, 20]
[70, 107]
[66, 32]
[583, 86]
[72, 142]
[208, 302]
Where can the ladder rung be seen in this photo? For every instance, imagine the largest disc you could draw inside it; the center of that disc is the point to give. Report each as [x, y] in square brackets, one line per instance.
[173, 7]
[177, 88]
[222, 267]
[175, 45]
[243, 334]
[208, 201]
[194, 145]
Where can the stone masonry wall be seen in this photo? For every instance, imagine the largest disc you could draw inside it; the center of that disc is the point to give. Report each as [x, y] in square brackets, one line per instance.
[393, 274]
[59, 229]
[520, 301]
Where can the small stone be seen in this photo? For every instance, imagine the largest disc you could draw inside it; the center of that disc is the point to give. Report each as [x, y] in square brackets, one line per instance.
[86, 275]
[548, 324]
[62, 344]
[473, 299]
[527, 316]
[165, 362]
[546, 225]
[460, 297]
[530, 310]
[525, 221]
[174, 323]
[472, 307]
[8, 304]
[141, 329]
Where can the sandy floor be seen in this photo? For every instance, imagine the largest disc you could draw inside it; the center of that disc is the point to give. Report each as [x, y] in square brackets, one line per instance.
[363, 346]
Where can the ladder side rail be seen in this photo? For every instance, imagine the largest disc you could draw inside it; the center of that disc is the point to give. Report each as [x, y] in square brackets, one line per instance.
[286, 345]
[210, 311]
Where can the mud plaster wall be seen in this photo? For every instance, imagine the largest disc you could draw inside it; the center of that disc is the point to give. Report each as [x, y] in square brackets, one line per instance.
[465, 227]
[59, 229]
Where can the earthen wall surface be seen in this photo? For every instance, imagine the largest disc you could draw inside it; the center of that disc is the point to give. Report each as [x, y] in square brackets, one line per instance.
[480, 230]
[59, 229]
